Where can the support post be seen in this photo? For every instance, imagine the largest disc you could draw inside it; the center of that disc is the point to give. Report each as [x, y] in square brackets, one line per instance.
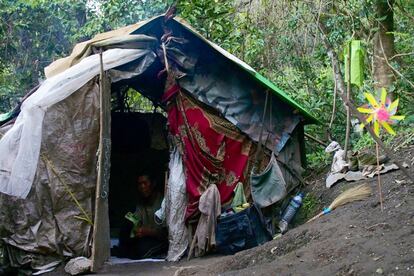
[101, 239]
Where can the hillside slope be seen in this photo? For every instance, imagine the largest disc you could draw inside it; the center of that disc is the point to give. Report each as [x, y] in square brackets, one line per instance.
[356, 239]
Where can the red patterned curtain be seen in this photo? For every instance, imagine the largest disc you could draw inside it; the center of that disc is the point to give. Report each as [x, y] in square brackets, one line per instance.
[214, 150]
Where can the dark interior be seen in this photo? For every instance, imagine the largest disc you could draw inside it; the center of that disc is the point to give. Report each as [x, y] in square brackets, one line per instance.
[139, 140]
[139, 145]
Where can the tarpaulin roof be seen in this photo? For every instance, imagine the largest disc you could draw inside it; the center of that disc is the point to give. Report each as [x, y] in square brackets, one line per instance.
[259, 77]
[83, 49]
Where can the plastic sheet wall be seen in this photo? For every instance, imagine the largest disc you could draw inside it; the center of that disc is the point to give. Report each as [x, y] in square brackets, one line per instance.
[45, 222]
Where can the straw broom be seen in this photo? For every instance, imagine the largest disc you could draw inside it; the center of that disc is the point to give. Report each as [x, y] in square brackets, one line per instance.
[353, 194]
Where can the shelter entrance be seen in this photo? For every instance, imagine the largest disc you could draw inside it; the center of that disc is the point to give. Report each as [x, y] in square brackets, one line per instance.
[139, 147]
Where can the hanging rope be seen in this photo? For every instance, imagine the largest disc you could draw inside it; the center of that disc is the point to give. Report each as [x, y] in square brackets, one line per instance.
[256, 162]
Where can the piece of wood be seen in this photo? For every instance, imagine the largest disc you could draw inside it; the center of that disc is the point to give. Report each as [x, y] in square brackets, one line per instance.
[316, 140]
[101, 239]
[333, 105]
[348, 96]
[354, 111]
[379, 178]
[191, 250]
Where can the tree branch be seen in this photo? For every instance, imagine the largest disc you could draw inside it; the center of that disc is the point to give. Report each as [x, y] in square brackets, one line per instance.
[323, 144]
[334, 102]
[392, 67]
[404, 11]
[401, 55]
[348, 97]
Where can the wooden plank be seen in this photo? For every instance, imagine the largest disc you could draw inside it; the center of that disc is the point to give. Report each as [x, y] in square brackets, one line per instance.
[101, 238]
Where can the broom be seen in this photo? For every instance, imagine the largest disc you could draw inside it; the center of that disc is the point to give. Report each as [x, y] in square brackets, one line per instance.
[353, 194]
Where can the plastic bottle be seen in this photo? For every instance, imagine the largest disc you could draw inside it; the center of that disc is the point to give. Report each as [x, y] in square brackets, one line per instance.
[290, 212]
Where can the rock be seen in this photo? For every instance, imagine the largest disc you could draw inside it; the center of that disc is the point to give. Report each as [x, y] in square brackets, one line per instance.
[333, 178]
[354, 176]
[379, 271]
[384, 169]
[78, 265]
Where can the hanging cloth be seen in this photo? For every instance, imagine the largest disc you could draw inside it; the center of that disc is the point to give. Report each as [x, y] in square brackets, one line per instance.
[269, 186]
[205, 235]
[176, 202]
[239, 198]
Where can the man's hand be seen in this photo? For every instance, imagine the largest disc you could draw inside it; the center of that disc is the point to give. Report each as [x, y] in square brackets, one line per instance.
[144, 232]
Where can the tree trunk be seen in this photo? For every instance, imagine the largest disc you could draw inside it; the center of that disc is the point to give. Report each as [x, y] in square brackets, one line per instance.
[383, 44]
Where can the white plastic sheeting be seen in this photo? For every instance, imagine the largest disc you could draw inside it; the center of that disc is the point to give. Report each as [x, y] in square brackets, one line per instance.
[20, 146]
[176, 203]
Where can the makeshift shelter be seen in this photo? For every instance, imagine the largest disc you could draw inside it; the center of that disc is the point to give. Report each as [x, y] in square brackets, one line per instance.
[55, 156]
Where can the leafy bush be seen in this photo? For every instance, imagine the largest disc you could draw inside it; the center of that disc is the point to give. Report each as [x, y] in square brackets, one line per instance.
[310, 205]
[318, 159]
[365, 141]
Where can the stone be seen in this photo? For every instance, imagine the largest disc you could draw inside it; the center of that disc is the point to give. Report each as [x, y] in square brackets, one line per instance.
[354, 176]
[78, 265]
[333, 178]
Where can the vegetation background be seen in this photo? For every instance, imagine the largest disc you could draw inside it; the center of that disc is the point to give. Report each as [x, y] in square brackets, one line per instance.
[279, 38]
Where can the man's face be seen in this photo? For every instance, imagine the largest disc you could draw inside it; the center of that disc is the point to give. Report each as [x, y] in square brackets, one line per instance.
[144, 186]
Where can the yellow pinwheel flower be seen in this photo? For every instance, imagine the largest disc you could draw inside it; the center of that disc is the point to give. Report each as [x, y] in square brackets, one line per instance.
[380, 113]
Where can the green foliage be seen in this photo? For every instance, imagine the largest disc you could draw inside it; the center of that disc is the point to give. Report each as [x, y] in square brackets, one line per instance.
[111, 14]
[8, 86]
[136, 102]
[33, 34]
[365, 141]
[280, 39]
[301, 65]
[318, 160]
[220, 22]
[310, 205]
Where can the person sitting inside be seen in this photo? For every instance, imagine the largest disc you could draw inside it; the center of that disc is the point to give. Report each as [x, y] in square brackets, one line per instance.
[146, 238]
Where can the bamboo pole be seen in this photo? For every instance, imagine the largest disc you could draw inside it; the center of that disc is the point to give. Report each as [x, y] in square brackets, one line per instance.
[348, 94]
[100, 235]
[379, 178]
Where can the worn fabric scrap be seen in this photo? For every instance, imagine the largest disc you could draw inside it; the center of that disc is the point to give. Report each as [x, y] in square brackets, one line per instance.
[175, 205]
[210, 208]
[239, 196]
[269, 186]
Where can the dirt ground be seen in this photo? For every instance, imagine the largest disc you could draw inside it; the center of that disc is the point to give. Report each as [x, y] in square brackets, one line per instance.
[355, 239]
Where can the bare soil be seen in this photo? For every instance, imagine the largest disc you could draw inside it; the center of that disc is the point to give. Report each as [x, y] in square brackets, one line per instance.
[355, 239]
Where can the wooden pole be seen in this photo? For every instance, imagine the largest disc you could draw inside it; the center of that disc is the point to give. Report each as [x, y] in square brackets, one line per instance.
[348, 93]
[379, 177]
[100, 237]
[353, 110]
[316, 140]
